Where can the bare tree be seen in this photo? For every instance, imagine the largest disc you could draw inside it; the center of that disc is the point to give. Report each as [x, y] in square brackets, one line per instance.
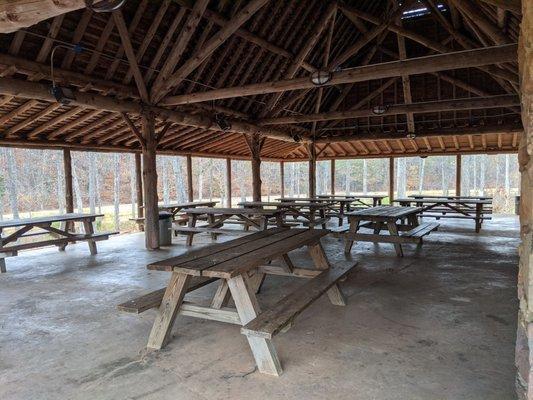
[421, 171]
[402, 179]
[507, 177]
[365, 177]
[116, 189]
[12, 181]
[181, 195]
[133, 185]
[443, 180]
[164, 181]
[60, 188]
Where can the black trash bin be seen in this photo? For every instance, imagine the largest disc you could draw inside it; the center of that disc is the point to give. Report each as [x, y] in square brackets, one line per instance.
[517, 205]
[165, 228]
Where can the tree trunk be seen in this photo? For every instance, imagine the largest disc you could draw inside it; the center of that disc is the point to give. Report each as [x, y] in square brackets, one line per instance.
[200, 179]
[507, 177]
[133, 185]
[482, 165]
[443, 183]
[12, 182]
[116, 190]
[210, 173]
[60, 189]
[347, 181]
[77, 190]
[365, 180]
[421, 171]
[164, 179]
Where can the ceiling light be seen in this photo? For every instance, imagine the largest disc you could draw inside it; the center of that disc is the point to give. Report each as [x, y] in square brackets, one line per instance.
[222, 122]
[105, 5]
[411, 135]
[320, 77]
[379, 110]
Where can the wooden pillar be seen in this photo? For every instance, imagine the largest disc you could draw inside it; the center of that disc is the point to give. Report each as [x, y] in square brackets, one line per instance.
[524, 335]
[139, 187]
[332, 176]
[282, 177]
[228, 181]
[69, 194]
[255, 144]
[391, 180]
[458, 171]
[311, 149]
[151, 221]
[190, 189]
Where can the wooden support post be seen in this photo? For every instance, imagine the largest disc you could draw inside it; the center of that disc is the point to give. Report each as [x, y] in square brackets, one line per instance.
[282, 177]
[311, 149]
[69, 193]
[69, 196]
[190, 189]
[255, 144]
[228, 182]
[139, 187]
[332, 176]
[458, 175]
[151, 222]
[391, 180]
[524, 335]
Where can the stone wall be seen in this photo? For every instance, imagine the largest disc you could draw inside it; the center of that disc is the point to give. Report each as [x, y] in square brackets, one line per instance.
[524, 341]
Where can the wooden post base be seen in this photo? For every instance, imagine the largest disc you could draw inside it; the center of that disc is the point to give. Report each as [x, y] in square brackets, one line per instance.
[2, 265]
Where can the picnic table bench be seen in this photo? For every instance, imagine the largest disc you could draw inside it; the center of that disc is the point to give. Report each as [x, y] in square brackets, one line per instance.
[376, 199]
[217, 217]
[239, 266]
[62, 235]
[175, 208]
[461, 208]
[390, 218]
[309, 213]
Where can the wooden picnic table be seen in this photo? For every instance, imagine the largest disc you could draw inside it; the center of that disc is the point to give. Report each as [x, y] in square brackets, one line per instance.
[312, 213]
[421, 196]
[376, 199]
[239, 267]
[217, 217]
[451, 208]
[63, 234]
[391, 218]
[335, 206]
[175, 208]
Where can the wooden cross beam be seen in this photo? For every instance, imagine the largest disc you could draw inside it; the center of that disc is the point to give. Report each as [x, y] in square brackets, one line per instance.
[411, 66]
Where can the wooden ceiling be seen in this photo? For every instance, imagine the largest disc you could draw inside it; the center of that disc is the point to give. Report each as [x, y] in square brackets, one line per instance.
[200, 65]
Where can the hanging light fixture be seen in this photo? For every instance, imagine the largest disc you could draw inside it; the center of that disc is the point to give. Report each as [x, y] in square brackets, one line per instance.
[379, 110]
[320, 77]
[105, 6]
[411, 135]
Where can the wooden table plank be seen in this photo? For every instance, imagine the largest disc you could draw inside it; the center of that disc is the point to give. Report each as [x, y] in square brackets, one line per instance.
[13, 223]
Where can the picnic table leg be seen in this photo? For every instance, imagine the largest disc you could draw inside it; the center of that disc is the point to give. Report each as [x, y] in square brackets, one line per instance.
[192, 224]
[354, 227]
[341, 213]
[393, 230]
[320, 260]
[89, 230]
[211, 221]
[263, 350]
[322, 213]
[222, 295]
[168, 310]
[478, 217]
[413, 220]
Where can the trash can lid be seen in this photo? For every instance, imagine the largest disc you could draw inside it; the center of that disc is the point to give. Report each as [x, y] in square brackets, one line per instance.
[165, 215]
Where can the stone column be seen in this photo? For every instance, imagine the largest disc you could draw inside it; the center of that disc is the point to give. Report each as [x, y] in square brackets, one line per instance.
[524, 337]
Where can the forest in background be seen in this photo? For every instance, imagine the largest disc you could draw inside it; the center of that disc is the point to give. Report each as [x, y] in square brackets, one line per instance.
[32, 181]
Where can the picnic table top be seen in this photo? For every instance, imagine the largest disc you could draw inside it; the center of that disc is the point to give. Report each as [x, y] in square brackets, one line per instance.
[48, 219]
[354, 196]
[232, 211]
[229, 259]
[280, 204]
[385, 212]
[189, 204]
[415, 196]
[440, 200]
[305, 200]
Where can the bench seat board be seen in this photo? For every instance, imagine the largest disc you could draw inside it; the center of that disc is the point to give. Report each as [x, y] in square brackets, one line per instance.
[421, 230]
[153, 299]
[273, 320]
[72, 239]
[264, 252]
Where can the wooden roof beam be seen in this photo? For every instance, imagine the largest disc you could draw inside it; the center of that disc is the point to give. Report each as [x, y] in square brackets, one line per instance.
[37, 91]
[411, 66]
[212, 44]
[471, 103]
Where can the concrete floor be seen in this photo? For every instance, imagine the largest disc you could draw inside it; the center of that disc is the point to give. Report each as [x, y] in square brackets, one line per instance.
[438, 324]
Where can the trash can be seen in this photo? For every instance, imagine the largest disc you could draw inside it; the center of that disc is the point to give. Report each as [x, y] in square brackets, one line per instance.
[165, 228]
[517, 205]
